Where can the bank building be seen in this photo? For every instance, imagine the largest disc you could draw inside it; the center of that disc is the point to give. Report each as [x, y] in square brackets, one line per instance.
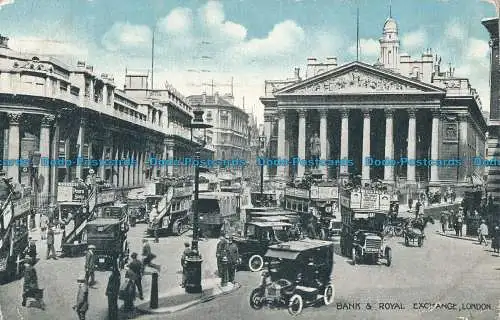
[399, 107]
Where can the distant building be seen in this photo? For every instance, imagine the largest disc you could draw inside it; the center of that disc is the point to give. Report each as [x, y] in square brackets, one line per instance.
[229, 134]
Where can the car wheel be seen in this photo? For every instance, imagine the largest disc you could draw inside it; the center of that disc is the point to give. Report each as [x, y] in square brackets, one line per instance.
[295, 305]
[256, 299]
[255, 263]
[329, 294]
[353, 256]
[388, 256]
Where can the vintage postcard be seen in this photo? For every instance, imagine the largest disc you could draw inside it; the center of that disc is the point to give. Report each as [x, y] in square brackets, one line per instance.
[249, 159]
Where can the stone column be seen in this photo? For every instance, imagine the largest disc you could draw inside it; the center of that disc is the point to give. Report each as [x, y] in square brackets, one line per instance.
[165, 156]
[44, 171]
[282, 171]
[465, 169]
[137, 168]
[102, 167]
[412, 145]
[116, 169]
[323, 136]
[301, 149]
[170, 156]
[121, 176]
[80, 143]
[435, 145]
[54, 170]
[14, 145]
[268, 127]
[131, 168]
[365, 169]
[126, 170]
[389, 145]
[344, 143]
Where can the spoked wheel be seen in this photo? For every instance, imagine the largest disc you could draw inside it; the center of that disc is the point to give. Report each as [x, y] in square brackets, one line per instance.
[329, 294]
[256, 299]
[353, 256]
[295, 305]
[388, 256]
[255, 263]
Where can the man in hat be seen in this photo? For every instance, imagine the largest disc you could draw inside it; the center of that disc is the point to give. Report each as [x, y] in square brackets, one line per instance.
[51, 250]
[90, 265]
[82, 298]
[148, 256]
[187, 253]
[233, 257]
[136, 266]
[112, 291]
[220, 253]
[483, 232]
[30, 285]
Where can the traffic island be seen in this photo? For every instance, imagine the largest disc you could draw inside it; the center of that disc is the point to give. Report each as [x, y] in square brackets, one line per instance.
[177, 299]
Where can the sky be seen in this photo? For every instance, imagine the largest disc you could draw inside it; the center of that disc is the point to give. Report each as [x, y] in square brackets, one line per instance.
[199, 42]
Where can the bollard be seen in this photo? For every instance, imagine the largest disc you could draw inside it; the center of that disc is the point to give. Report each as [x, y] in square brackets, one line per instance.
[153, 304]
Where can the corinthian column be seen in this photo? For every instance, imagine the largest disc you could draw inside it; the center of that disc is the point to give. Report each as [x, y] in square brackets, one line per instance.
[44, 171]
[323, 136]
[301, 149]
[80, 142]
[282, 171]
[389, 146]
[14, 145]
[412, 146]
[365, 170]
[344, 142]
[435, 145]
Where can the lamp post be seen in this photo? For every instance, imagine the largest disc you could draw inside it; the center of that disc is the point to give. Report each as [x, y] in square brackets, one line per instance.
[193, 262]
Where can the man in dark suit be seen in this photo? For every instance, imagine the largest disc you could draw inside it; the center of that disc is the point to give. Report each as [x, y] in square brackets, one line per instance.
[136, 266]
[90, 265]
[51, 251]
[112, 291]
[233, 257]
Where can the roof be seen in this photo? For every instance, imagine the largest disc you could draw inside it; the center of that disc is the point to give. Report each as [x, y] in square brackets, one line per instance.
[355, 210]
[104, 221]
[269, 224]
[390, 25]
[118, 205]
[292, 249]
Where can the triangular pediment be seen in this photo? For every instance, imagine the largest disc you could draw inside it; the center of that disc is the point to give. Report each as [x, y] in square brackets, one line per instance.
[357, 78]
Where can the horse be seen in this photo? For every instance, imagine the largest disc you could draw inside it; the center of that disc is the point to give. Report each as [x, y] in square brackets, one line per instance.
[415, 230]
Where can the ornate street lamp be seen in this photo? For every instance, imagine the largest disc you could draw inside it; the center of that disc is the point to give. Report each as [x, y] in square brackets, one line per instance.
[193, 268]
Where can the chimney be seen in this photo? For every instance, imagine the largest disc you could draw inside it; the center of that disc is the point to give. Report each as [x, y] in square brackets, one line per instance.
[4, 41]
[204, 98]
[216, 98]
[312, 64]
[80, 64]
[331, 61]
[104, 75]
[297, 73]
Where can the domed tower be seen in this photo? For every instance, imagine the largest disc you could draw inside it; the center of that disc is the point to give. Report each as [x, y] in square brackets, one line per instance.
[389, 45]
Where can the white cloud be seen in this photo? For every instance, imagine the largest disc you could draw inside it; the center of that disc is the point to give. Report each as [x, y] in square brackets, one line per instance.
[496, 3]
[455, 31]
[178, 21]
[478, 49]
[126, 35]
[414, 40]
[213, 16]
[42, 46]
[283, 38]
[369, 48]
[5, 2]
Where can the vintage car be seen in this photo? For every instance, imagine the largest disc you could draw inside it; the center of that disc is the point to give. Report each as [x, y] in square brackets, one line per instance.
[369, 246]
[257, 238]
[108, 233]
[298, 274]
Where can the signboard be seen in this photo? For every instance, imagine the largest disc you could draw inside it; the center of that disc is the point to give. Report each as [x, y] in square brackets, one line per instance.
[184, 191]
[105, 197]
[345, 201]
[79, 194]
[370, 201]
[298, 193]
[364, 215]
[64, 193]
[385, 202]
[356, 200]
[22, 206]
[322, 192]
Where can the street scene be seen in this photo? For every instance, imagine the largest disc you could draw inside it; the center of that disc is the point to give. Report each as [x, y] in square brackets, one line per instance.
[153, 166]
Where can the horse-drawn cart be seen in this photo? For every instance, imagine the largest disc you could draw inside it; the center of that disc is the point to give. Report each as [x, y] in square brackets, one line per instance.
[414, 231]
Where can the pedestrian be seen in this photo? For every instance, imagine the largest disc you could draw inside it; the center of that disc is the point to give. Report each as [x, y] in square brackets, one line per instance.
[31, 250]
[443, 221]
[112, 291]
[187, 253]
[483, 233]
[495, 242]
[30, 285]
[136, 266]
[459, 222]
[51, 250]
[90, 265]
[221, 251]
[82, 298]
[148, 256]
[417, 207]
[127, 290]
[233, 259]
[44, 221]
[410, 202]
